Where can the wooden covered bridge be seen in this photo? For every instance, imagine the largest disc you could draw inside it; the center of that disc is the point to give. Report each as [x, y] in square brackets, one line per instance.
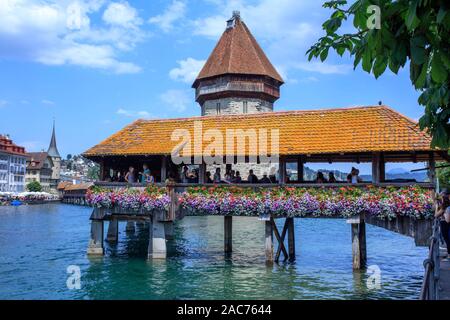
[376, 135]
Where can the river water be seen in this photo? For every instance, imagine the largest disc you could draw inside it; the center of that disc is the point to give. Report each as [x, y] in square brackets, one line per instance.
[38, 243]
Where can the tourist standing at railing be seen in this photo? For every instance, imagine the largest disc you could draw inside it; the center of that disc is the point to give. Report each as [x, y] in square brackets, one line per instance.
[331, 178]
[217, 177]
[252, 178]
[353, 177]
[320, 178]
[443, 214]
[265, 179]
[208, 177]
[184, 175]
[145, 174]
[237, 178]
[130, 177]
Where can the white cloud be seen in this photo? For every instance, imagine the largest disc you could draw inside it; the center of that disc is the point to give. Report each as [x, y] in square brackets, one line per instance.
[47, 102]
[177, 100]
[122, 14]
[3, 103]
[133, 113]
[187, 70]
[324, 68]
[174, 12]
[62, 33]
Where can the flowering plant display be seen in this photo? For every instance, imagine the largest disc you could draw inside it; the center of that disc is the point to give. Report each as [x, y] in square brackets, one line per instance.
[138, 199]
[346, 201]
[383, 203]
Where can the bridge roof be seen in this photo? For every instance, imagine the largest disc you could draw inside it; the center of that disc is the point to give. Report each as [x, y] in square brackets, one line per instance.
[343, 130]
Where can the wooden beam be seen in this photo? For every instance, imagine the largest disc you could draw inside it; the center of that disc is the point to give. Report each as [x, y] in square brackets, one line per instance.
[228, 233]
[282, 169]
[280, 240]
[432, 169]
[376, 167]
[291, 238]
[163, 168]
[283, 235]
[113, 231]
[359, 251]
[96, 241]
[269, 242]
[300, 169]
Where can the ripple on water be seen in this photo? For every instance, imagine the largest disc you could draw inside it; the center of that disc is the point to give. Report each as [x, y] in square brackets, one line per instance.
[38, 243]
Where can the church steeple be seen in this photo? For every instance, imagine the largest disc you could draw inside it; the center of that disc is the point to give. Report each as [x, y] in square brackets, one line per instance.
[237, 77]
[53, 149]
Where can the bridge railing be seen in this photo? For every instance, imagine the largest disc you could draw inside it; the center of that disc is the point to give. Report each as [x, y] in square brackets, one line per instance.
[430, 284]
[182, 186]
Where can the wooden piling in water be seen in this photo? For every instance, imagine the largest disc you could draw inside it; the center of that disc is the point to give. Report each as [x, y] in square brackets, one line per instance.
[291, 239]
[359, 250]
[269, 242]
[157, 240]
[95, 246]
[228, 234]
[113, 231]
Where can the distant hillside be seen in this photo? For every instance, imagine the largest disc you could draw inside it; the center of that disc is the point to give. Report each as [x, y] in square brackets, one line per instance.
[393, 174]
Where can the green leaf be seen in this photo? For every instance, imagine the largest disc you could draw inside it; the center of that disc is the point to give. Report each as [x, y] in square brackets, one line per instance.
[421, 80]
[418, 52]
[438, 71]
[367, 61]
[441, 14]
[411, 18]
[324, 54]
[379, 66]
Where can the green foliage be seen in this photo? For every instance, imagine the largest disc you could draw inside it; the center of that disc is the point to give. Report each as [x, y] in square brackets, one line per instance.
[414, 31]
[94, 173]
[34, 186]
[443, 175]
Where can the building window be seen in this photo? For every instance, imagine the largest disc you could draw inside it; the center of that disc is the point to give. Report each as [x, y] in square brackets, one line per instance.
[218, 107]
[245, 108]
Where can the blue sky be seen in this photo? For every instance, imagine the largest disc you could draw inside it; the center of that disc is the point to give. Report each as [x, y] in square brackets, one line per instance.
[95, 66]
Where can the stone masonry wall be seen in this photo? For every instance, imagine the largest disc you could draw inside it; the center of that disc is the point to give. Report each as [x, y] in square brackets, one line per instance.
[236, 106]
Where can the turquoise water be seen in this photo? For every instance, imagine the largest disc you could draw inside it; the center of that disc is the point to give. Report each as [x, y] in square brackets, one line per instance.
[38, 243]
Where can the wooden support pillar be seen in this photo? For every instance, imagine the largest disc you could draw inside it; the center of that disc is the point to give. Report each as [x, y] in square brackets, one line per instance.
[130, 226]
[376, 167]
[382, 168]
[228, 233]
[102, 170]
[163, 168]
[359, 251]
[113, 231]
[157, 239]
[282, 169]
[291, 239]
[300, 169]
[202, 173]
[96, 241]
[168, 230]
[269, 242]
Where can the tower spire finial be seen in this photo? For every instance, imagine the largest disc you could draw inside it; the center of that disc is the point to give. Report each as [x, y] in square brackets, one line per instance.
[53, 149]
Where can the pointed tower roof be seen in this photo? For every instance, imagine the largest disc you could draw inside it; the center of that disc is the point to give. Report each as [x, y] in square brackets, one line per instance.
[53, 149]
[237, 52]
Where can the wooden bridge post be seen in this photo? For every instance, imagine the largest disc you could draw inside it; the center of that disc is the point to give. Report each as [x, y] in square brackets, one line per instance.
[113, 230]
[359, 251]
[157, 239]
[95, 246]
[228, 233]
[130, 226]
[291, 239]
[269, 242]
[168, 230]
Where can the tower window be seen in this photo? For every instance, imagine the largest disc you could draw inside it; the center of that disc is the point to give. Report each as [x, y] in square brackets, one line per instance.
[245, 108]
[218, 107]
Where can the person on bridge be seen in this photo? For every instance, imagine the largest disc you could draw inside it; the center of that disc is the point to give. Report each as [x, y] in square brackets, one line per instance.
[443, 214]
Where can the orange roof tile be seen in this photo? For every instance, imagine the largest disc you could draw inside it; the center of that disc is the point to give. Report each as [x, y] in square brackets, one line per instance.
[346, 130]
[238, 52]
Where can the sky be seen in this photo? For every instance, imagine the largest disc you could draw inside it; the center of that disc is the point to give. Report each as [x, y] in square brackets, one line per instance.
[96, 66]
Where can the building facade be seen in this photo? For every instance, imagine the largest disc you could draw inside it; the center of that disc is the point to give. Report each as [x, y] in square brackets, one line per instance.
[39, 168]
[13, 162]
